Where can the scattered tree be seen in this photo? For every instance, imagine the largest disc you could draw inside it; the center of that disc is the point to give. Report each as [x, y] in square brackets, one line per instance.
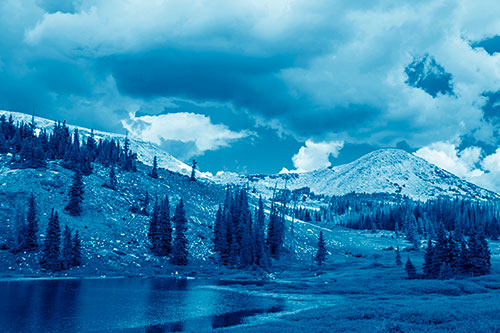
[180, 252]
[74, 207]
[321, 254]
[154, 171]
[52, 244]
[410, 269]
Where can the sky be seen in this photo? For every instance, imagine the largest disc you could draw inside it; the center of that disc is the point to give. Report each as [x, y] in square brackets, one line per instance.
[258, 86]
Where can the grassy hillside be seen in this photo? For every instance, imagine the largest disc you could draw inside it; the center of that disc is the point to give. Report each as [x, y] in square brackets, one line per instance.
[114, 239]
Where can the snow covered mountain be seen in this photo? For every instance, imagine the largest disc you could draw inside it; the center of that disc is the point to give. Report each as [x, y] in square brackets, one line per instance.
[146, 151]
[384, 170]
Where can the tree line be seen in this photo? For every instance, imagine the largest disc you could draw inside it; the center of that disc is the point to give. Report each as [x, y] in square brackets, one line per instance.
[416, 219]
[32, 148]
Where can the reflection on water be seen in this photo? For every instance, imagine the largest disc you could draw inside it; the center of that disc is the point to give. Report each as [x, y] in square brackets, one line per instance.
[136, 305]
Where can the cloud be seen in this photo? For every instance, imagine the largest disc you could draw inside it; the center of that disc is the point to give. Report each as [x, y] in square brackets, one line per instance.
[315, 155]
[286, 64]
[469, 163]
[189, 134]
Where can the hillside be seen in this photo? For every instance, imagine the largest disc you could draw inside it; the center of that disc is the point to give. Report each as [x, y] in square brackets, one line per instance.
[114, 239]
[145, 150]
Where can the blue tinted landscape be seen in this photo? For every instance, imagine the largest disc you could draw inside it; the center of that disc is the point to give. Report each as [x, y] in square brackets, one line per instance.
[250, 166]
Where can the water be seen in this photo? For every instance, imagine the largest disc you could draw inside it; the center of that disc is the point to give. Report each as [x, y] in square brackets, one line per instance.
[131, 305]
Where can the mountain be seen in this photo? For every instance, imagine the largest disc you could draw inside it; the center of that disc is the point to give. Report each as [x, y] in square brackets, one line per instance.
[381, 171]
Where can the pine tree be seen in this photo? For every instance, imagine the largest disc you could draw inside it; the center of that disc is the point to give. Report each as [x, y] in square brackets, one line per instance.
[67, 249]
[219, 232]
[112, 183]
[193, 170]
[52, 244]
[154, 171]
[74, 207]
[259, 237]
[179, 251]
[429, 268]
[31, 242]
[464, 261]
[399, 263]
[164, 245]
[410, 269]
[321, 254]
[77, 250]
[153, 227]
[275, 232]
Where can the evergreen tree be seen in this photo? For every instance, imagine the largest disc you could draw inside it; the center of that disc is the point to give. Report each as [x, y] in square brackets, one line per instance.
[399, 263]
[179, 251]
[464, 261]
[154, 171]
[77, 250]
[67, 249]
[164, 245]
[429, 267]
[112, 183]
[410, 269]
[259, 237]
[193, 170]
[31, 242]
[321, 254]
[219, 234]
[275, 232]
[74, 207]
[153, 227]
[52, 244]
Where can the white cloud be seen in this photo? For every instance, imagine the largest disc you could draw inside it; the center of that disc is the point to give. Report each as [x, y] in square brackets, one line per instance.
[195, 132]
[468, 163]
[315, 155]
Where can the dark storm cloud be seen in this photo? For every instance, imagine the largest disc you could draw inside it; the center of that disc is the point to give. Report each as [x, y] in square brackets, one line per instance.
[425, 73]
[490, 45]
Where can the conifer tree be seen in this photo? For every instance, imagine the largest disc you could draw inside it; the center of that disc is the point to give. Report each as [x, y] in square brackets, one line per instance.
[219, 234]
[179, 251]
[74, 207]
[429, 267]
[153, 227]
[67, 249]
[464, 259]
[154, 171]
[112, 183]
[259, 237]
[31, 242]
[193, 170]
[164, 245]
[275, 232]
[77, 250]
[321, 253]
[52, 244]
[399, 263]
[410, 269]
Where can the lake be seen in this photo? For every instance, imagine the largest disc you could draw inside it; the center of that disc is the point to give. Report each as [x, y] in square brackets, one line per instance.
[128, 304]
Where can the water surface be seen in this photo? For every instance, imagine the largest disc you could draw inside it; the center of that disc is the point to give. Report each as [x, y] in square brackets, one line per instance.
[131, 304]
